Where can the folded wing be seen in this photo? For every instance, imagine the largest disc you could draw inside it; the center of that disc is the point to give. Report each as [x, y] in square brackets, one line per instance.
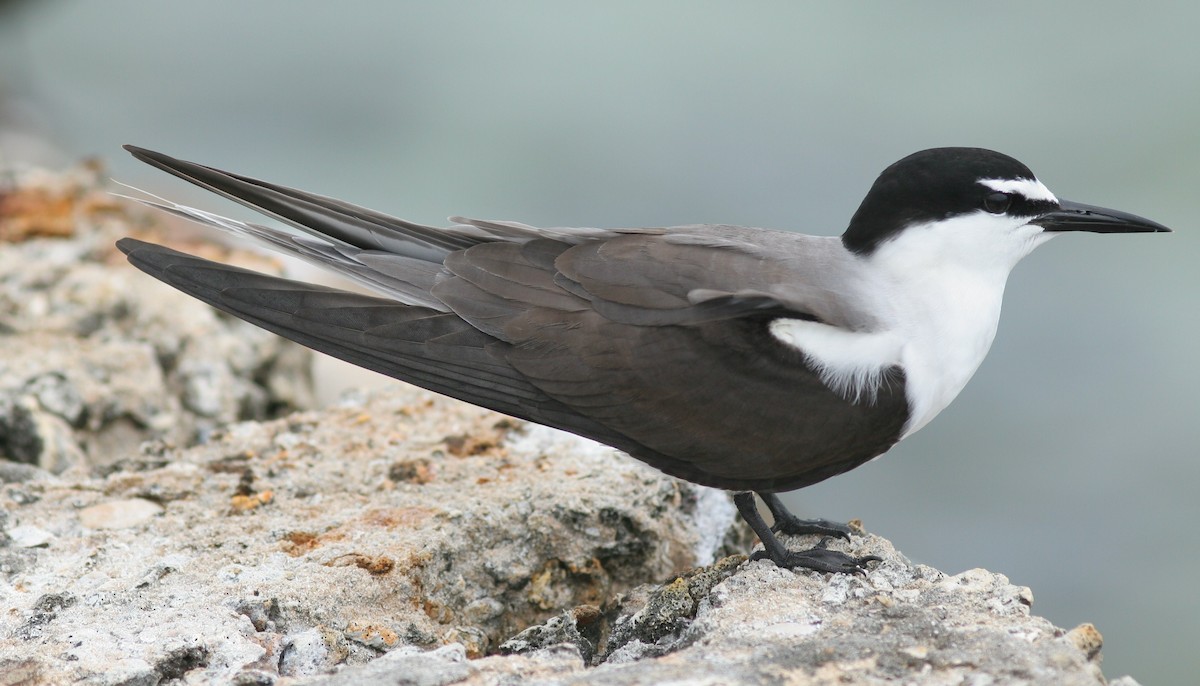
[654, 341]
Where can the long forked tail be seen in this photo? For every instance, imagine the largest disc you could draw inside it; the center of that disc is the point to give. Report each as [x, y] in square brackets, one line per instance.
[435, 350]
[335, 221]
[388, 255]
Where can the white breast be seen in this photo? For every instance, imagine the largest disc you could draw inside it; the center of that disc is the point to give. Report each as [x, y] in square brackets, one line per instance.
[936, 291]
[948, 331]
[939, 342]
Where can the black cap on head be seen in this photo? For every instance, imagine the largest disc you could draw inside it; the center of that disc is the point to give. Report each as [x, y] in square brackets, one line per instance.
[927, 186]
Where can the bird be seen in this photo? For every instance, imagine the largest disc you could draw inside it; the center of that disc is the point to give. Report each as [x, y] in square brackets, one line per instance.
[752, 360]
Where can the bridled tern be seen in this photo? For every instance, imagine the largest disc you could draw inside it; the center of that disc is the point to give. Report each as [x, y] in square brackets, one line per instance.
[746, 359]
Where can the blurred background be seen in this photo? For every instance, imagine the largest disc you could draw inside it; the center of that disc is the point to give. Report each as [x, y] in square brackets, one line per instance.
[1070, 461]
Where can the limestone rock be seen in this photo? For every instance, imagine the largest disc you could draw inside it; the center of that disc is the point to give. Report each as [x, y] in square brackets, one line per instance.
[756, 624]
[95, 358]
[119, 514]
[310, 550]
[284, 549]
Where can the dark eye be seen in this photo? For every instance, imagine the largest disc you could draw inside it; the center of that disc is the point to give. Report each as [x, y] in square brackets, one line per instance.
[997, 203]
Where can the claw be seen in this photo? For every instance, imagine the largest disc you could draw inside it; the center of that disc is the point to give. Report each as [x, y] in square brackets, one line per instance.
[788, 523]
[818, 558]
[821, 560]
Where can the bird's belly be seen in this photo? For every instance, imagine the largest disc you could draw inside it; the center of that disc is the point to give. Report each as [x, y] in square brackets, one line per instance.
[938, 370]
[768, 437]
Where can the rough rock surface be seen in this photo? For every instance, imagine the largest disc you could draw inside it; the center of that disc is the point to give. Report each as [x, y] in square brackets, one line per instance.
[756, 624]
[408, 539]
[95, 359]
[289, 547]
[398, 538]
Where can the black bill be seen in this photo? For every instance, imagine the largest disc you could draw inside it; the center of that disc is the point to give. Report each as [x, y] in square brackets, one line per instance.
[1075, 216]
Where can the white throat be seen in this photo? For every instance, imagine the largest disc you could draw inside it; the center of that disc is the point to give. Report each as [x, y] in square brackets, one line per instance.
[936, 291]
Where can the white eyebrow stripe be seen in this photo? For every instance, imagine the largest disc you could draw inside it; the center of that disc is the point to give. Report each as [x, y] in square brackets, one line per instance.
[1030, 188]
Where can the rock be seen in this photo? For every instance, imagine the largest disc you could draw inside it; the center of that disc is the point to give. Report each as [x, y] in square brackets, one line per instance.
[579, 628]
[119, 514]
[1086, 638]
[521, 561]
[752, 623]
[171, 569]
[898, 622]
[96, 358]
[29, 536]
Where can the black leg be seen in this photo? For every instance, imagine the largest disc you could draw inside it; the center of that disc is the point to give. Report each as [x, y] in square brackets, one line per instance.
[817, 558]
[788, 523]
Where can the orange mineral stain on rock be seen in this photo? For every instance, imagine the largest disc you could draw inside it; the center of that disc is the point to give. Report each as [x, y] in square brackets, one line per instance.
[297, 543]
[246, 503]
[376, 565]
[373, 635]
[54, 206]
[397, 517]
[1086, 638]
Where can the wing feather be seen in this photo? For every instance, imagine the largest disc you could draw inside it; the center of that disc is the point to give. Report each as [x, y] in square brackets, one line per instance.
[332, 219]
[431, 349]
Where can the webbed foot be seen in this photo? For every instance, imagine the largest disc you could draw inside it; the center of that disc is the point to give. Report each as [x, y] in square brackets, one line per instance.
[794, 526]
[820, 559]
[788, 523]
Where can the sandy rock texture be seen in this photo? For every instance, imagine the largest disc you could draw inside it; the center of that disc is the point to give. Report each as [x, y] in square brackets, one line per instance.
[751, 623]
[402, 538]
[94, 358]
[290, 547]
[147, 536]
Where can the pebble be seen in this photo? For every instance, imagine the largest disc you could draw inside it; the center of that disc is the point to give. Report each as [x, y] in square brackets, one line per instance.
[29, 536]
[119, 514]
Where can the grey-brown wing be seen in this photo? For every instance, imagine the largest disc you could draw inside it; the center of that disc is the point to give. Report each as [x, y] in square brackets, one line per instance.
[615, 330]
[387, 254]
[428, 348]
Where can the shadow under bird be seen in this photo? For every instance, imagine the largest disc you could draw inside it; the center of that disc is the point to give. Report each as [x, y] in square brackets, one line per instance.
[746, 359]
